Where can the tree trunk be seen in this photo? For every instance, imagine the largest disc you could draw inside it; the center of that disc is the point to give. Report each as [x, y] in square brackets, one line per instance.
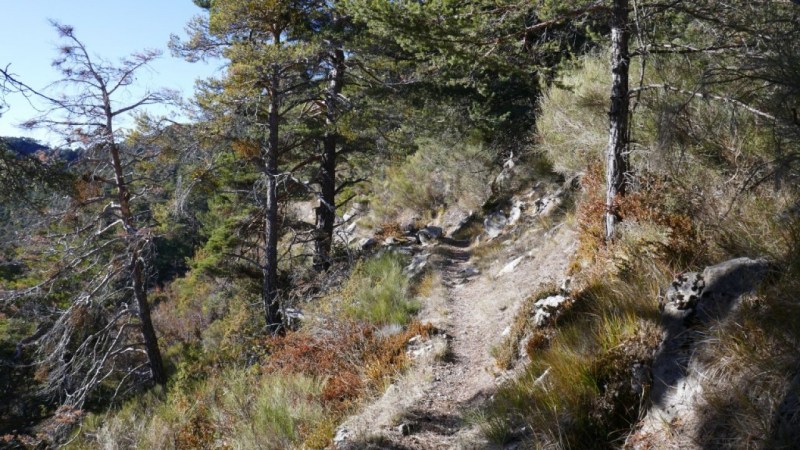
[149, 333]
[138, 281]
[269, 292]
[326, 211]
[617, 152]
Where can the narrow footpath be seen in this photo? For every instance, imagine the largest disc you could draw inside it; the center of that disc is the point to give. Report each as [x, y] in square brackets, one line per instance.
[432, 405]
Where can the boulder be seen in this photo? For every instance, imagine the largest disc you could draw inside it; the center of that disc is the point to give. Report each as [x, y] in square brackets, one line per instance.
[461, 223]
[429, 235]
[495, 223]
[545, 308]
[692, 302]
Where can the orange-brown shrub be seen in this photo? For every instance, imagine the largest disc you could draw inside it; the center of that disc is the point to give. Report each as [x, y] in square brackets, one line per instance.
[388, 354]
[590, 212]
[336, 356]
[389, 229]
[301, 352]
[197, 433]
[353, 358]
[652, 202]
[341, 389]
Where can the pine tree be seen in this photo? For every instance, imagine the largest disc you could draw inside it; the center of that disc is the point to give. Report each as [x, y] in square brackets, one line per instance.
[268, 78]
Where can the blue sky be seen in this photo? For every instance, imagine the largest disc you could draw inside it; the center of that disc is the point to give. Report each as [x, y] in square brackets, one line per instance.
[110, 29]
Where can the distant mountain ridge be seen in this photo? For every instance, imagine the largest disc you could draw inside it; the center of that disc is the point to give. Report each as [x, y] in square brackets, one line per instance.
[28, 147]
[23, 146]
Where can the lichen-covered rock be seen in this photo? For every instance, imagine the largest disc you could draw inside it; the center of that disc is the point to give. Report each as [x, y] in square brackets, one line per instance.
[685, 290]
[546, 307]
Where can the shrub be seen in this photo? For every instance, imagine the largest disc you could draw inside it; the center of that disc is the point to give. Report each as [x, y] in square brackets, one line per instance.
[438, 175]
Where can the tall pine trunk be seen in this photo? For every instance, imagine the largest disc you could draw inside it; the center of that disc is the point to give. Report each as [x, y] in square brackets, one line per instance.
[269, 291]
[617, 165]
[137, 269]
[326, 211]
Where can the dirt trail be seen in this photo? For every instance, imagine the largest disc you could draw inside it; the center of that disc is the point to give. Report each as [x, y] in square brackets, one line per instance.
[430, 406]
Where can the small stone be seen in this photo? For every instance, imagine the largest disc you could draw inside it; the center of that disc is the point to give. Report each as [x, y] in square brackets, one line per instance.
[515, 214]
[404, 429]
[367, 243]
[470, 271]
[510, 266]
[565, 284]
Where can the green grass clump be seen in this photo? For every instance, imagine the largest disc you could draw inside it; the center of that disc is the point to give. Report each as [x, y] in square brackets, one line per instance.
[573, 125]
[378, 292]
[440, 174]
[271, 415]
[576, 392]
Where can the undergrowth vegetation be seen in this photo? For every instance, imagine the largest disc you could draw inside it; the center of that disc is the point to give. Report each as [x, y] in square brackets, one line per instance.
[235, 388]
[576, 389]
[379, 293]
[277, 314]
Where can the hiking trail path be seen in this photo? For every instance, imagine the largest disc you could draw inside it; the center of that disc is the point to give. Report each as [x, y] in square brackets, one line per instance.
[430, 406]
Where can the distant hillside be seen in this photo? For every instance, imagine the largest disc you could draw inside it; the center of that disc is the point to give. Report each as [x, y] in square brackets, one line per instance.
[30, 147]
[24, 146]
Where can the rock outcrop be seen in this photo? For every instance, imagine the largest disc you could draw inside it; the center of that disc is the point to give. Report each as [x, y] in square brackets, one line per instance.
[692, 302]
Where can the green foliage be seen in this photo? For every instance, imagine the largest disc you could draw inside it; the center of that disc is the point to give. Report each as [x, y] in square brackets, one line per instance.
[437, 176]
[572, 127]
[378, 291]
[475, 55]
[12, 330]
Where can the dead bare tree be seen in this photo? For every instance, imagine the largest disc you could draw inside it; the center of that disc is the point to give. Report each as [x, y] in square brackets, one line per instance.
[103, 237]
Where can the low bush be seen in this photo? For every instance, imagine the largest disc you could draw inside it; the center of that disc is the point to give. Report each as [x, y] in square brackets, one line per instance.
[438, 175]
